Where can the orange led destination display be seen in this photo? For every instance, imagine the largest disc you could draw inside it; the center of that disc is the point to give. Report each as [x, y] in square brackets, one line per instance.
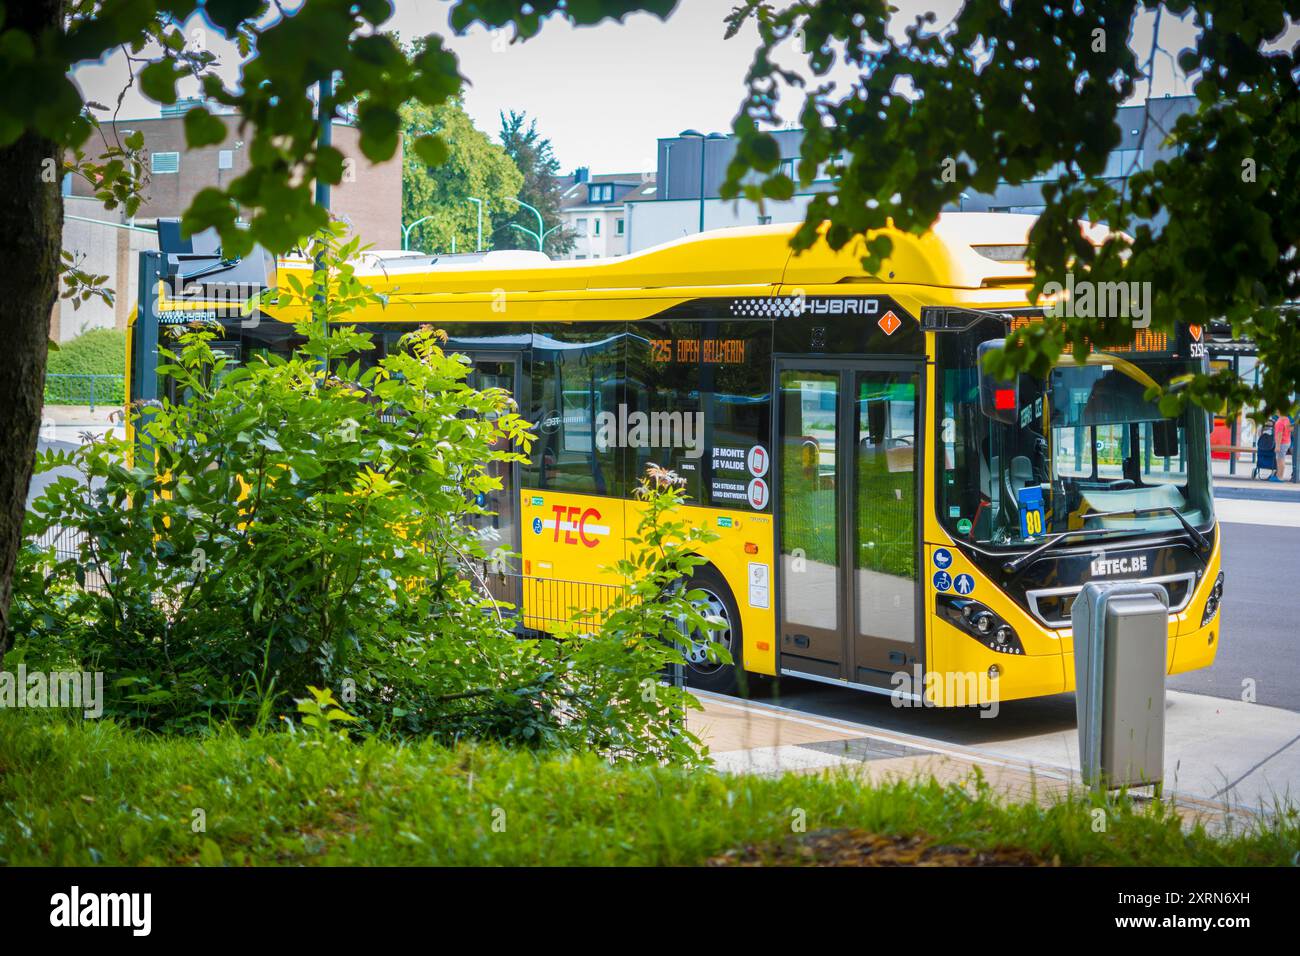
[1144, 340]
[693, 351]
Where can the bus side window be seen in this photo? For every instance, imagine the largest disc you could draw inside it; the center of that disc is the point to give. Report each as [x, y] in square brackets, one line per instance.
[572, 371]
[663, 384]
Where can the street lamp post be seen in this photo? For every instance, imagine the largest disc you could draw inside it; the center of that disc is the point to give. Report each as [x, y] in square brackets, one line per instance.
[406, 230]
[479, 203]
[542, 232]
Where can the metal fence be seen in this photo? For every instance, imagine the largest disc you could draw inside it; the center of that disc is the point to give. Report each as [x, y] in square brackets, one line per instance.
[546, 605]
[64, 388]
[67, 544]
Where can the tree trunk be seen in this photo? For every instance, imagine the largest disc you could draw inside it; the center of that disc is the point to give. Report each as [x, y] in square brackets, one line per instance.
[31, 232]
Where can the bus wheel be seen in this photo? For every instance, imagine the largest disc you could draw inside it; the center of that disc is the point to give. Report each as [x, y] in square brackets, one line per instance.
[701, 672]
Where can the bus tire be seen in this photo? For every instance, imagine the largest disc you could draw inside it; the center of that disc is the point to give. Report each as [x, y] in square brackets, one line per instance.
[702, 673]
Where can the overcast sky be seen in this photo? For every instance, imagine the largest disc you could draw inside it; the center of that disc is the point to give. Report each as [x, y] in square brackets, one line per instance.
[604, 94]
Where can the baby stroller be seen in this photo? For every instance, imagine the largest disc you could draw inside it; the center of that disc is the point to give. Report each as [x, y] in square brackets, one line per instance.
[1265, 452]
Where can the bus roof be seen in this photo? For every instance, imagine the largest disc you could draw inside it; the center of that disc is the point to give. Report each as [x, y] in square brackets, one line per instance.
[961, 250]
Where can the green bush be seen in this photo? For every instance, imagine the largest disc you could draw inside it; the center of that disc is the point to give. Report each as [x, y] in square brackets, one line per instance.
[300, 522]
[96, 352]
[99, 352]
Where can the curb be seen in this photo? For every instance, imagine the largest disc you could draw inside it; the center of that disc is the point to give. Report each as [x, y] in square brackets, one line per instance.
[1199, 805]
[1260, 494]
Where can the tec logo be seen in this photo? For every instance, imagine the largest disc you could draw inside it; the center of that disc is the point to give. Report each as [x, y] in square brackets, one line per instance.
[576, 524]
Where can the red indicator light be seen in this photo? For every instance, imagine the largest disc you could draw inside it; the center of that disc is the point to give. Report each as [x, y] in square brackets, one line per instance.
[1004, 398]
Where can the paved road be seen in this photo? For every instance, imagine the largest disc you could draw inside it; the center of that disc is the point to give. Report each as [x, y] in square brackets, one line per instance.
[1261, 618]
[40, 481]
[1261, 642]
[63, 437]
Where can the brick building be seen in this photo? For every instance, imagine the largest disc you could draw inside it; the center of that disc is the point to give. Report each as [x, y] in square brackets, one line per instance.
[370, 197]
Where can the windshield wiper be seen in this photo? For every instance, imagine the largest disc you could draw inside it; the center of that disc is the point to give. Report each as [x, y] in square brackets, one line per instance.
[1015, 564]
[1200, 540]
[1203, 543]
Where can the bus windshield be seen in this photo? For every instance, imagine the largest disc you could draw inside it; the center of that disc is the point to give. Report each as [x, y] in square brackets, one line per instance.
[1086, 440]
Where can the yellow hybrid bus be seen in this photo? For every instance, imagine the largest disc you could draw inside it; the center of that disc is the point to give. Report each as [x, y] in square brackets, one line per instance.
[887, 517]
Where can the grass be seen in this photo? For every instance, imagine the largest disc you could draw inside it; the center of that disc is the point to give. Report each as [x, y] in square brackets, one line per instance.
[95, 352]
[92, 792]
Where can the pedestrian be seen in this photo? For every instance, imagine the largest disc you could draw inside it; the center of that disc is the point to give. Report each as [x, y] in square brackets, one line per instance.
[1281, 444]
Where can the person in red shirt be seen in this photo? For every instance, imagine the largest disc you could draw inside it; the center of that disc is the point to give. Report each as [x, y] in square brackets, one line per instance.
[1282, 445]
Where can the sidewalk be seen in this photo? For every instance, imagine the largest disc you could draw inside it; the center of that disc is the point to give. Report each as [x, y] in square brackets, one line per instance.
[67, 415]
[1224, 760]
[65, 423]
[1241, 486]
[1260, 502]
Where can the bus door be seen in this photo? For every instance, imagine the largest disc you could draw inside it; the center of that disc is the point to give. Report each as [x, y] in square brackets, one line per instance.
[849, 492]
[499, 531]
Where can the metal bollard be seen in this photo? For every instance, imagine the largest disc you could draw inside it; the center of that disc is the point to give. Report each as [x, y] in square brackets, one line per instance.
[1121, 633]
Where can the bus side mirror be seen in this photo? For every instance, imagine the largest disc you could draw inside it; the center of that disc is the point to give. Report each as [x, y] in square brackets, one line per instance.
[1164, 438]
[999, 400]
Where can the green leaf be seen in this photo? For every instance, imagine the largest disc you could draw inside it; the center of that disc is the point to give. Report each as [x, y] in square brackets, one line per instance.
[203, 129]
[158, 81]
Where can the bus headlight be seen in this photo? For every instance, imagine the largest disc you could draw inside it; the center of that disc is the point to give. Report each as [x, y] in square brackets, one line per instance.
[1212, 602]
[980, 622]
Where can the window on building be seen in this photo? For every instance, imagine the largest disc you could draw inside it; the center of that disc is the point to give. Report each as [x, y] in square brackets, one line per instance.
[765, 220]
[595, 227]
[162, 163]
[600, 192]
[581, 226]
[225, 159]
[618, 227]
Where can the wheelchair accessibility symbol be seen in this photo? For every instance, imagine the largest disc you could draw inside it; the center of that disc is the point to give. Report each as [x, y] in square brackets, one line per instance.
[942, 580]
